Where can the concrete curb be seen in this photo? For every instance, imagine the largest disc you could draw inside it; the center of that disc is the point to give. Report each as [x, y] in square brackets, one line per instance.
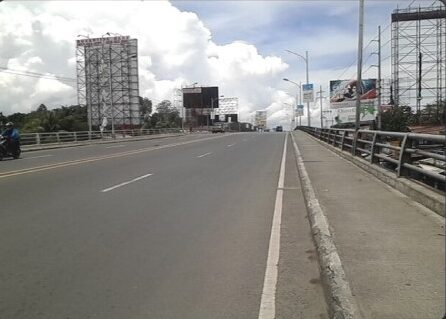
[417, 192]
[341, 303]
[86, 143]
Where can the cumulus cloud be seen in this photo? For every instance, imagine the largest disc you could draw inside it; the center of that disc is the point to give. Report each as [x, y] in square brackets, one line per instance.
[175, 49]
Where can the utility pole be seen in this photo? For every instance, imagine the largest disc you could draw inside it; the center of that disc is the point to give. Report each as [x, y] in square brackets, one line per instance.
[379, 79]
[300, 101]
[308, 82]
[111, 92]
[359, 71]
[320, 100]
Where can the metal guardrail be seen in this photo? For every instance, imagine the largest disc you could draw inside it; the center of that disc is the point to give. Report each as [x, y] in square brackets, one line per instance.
[28, 139]
[397, 151]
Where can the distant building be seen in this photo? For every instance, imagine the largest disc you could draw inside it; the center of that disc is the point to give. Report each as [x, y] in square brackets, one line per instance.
[260, 120]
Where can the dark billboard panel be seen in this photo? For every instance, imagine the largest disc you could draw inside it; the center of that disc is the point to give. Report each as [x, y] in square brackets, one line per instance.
[192, 98]
[210, 94]
[200, 97]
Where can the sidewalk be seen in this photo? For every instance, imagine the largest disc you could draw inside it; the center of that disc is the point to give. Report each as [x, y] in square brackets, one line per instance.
[392, 249]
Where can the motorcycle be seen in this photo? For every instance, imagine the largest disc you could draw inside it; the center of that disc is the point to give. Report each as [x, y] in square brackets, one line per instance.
[7, 151]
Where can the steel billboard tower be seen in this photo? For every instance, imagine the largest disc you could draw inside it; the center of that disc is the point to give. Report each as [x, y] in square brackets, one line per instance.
[107, 80]
[418, 55]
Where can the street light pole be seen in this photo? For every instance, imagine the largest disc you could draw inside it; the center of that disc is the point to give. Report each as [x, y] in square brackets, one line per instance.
[379, 79]
[87, 93]
[111, 92]
[212, 107]
[320, 98]
[359, 71]
[183, 109]
[307, 78]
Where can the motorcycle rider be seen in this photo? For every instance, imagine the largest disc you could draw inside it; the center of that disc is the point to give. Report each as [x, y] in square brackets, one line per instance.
[12, 137]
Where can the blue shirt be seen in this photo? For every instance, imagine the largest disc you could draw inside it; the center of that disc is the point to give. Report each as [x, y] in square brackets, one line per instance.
[11, 133]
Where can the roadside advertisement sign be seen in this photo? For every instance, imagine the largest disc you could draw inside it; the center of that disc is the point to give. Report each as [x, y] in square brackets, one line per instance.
[348, 114]
[191, 90]
[299, 110]
[343, 99]
[343, 92]
[307, 93]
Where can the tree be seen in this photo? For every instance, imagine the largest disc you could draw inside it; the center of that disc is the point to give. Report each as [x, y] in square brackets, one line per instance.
[166, 116]
[397, 119]
[42, 108]
[3, 119]
[17, 118]
[145, 106]
[434, 113]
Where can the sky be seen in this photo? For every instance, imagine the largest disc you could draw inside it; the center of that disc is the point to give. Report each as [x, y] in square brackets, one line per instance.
[238, 46]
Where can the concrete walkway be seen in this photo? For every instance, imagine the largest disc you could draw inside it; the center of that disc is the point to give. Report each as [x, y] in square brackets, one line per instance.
[392, 249]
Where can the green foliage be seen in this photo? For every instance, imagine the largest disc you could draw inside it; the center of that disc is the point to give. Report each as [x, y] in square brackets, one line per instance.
[65, 118]
[145, 107]
[397, 119]
[3, 119]
[17, 118]
[166, 116]
[434, 113]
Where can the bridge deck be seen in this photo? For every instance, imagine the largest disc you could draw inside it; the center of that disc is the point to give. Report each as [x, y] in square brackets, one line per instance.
[392, 249]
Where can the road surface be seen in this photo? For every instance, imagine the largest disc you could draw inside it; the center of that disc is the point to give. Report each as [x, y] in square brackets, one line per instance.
[170, 228]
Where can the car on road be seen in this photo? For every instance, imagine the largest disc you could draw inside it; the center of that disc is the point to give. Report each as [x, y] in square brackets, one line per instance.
[218, 128]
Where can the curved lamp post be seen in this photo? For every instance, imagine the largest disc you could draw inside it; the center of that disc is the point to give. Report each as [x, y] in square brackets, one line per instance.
[305, 58]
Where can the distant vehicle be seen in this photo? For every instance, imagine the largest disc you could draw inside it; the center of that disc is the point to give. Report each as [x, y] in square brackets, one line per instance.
[279, 128]
[218, 128]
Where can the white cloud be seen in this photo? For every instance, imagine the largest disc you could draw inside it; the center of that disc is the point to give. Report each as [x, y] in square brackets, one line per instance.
[175, 48]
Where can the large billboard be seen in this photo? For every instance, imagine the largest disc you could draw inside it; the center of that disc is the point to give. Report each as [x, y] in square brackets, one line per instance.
[227, 111]
[343, 92]
[199, 103]
[200, 97]
[107, 80]
[343, 96]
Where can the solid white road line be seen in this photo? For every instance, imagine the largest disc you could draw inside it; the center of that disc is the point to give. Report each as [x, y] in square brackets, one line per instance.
[114, 146]
[41, 156]
[268, 301]
[203, 155]
[231, 145]
[125, 183]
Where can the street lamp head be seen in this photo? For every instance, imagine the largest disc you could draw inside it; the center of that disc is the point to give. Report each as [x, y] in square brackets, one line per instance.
[285, 79]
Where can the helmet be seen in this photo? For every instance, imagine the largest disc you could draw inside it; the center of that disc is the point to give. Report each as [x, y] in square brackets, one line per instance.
[9, 125]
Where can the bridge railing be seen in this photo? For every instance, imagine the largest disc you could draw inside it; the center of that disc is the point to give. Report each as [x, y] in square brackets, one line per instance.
[418, 156]
[28, 139]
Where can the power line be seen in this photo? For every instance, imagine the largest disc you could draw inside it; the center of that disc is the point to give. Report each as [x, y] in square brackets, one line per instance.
[36, 75]
[365, 48]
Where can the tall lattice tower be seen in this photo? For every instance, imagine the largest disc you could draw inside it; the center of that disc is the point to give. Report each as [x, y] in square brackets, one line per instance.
[107, 80]
[419, 55]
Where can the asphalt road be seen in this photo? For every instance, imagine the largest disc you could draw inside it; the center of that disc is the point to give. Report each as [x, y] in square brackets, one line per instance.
[170, 228]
